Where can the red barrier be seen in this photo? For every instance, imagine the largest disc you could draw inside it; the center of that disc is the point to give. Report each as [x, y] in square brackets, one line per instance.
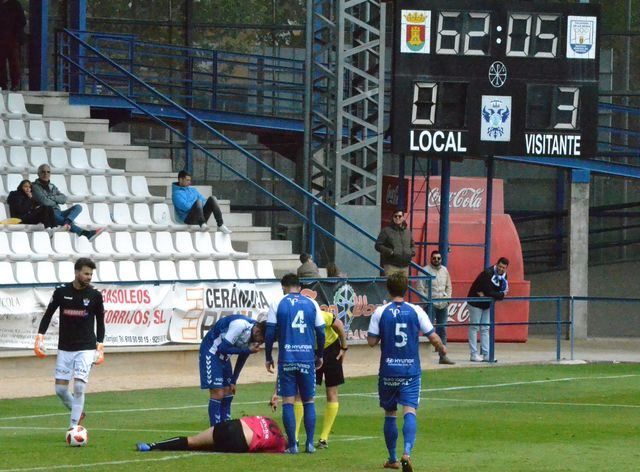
[466, 226]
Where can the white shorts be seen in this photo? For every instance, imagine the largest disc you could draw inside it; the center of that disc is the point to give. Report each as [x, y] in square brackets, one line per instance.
[74, 364]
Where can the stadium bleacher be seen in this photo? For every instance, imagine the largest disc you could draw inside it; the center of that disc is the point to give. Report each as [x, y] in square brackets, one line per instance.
[142, 241]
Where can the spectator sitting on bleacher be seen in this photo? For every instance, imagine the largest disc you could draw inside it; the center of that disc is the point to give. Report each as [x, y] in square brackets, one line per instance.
[47, 194]
[308, 268]
[22, 205]
[190, 205]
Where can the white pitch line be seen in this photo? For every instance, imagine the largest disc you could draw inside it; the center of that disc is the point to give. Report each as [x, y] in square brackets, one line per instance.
[93, 464]
[516, 402]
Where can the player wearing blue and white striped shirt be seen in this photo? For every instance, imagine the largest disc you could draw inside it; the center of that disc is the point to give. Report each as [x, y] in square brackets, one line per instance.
[397, 326]
[297, 323]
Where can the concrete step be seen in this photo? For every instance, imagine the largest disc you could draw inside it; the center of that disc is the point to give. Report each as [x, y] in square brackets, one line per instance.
[234, 220]
[83, 125]
[271, 247]
[122, 139]
[251, 233]
[121, 151]
[148, 166]
[66, 111]
[282, 263]
[45, 98]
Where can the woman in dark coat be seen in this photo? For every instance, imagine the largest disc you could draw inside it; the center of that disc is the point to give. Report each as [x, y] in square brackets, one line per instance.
[23, 206]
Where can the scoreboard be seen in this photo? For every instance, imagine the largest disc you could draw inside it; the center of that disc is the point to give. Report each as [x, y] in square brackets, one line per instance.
[475, 78]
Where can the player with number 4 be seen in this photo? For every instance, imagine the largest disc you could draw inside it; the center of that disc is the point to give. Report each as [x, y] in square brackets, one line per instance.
[296, 322]
[397, 326]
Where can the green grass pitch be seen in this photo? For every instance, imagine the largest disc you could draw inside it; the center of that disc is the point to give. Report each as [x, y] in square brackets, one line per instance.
[520, 418]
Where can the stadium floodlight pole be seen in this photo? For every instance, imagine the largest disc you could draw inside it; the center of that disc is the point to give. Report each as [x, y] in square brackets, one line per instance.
[492, 331]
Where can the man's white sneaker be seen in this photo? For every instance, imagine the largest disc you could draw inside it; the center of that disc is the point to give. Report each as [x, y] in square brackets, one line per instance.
[224, 229]
[476, 358]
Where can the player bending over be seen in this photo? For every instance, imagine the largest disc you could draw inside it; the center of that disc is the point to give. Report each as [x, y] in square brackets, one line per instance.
[247, 434]
[235, 334]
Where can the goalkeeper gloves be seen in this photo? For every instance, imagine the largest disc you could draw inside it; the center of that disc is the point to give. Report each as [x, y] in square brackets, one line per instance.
[38, 346]
[98, 357]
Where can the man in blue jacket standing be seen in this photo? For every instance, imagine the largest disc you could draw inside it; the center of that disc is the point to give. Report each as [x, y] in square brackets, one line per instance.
[190, 205]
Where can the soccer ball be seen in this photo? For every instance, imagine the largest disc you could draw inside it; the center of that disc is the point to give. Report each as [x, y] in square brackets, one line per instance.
[77, 436]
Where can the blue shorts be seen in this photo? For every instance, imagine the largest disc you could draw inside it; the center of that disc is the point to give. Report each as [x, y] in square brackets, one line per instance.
[402, 390]
[297, 377]
[214, 371]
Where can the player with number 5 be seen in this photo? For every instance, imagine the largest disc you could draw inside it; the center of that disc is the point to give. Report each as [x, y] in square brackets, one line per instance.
[296, 322]
[397, 326]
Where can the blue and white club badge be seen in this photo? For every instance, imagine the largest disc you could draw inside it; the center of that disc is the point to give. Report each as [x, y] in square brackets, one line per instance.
[495, 118]
[581, 37]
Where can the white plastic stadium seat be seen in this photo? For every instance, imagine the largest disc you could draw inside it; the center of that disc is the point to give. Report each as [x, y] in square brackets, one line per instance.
[66, 272]
[222, 243]
[37, 157]
[187, 270]
[18, 133]
[38, 133]
[80, 163]
[120, 189]
[13, 180]
[6, 273]
[123, 244]
[100, 188]
[142, 217]
[167, 270]
[207, 270]
[84, 248]
[84, 218]
[61, 243]
[122, 217]
[58, 134]
[264, 269]
[24, 273]
[147, 271]
[5, 166]
[5, 140]
[245, 269]
[41, 243]
[184, 244]
[78, 187]
[46, 272]
[101, 215]
[16, 105]
[139, 189]
[17, 160]
[102, 244]
[98, 160]
[164, 244]
[21, 248]
[127, 271]
[5, 114]
[60, 181]
[226, 269]
[107, 271]
[202, 242]
[144, 243]
[59, 158]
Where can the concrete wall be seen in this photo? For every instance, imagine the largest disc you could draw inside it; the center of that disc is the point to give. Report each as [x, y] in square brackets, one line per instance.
[606, 319]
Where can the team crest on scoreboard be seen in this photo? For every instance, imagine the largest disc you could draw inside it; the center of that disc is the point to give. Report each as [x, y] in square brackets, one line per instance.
[496, 118]
[416, 31]
[581, 37]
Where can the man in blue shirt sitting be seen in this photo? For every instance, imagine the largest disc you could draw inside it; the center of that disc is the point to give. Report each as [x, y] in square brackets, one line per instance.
[190, 205]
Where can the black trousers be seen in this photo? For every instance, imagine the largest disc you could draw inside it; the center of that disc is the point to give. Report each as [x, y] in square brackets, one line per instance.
[200, 214]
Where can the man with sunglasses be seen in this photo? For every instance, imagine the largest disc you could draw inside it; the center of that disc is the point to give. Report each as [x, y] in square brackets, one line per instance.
[48, 195]
[395, 245]
[440, 288]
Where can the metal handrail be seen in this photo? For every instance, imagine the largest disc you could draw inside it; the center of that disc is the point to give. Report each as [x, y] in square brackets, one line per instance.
[189, 115]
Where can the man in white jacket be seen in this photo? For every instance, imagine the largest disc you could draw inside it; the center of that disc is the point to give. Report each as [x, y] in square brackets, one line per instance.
[440, 288]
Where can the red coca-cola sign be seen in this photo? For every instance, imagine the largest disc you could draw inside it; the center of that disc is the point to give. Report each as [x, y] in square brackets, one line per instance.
[467, 197]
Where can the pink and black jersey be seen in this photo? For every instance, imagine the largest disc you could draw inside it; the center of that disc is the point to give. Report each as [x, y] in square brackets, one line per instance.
[267, 436]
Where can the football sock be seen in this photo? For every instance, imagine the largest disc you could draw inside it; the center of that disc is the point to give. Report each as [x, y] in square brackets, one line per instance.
[225, 408]
[214, 411]
[174, 444]
[310, 421]
[298, 409]
[77, 404]
[289, 421]
[330, 413]
[391, 436]
[63, 393]
[409, 428]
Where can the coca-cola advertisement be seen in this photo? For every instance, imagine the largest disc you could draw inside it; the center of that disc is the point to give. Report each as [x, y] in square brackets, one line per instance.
[421, 198]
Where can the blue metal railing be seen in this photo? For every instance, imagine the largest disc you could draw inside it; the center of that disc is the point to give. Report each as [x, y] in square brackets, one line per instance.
[94, 54]
[192, 77]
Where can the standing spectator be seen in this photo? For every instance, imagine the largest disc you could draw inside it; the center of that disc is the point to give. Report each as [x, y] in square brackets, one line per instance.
[22, 205]
[308, 268]
[12, 22]
[190, 205]
[297, 323]
[397, 326]
[491, 282]
[81, 309]
[395, 245]
[47, 194]
[235, 334]
[440, 288]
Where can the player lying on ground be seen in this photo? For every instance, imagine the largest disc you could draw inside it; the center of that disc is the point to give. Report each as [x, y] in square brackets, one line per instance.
[247, 434]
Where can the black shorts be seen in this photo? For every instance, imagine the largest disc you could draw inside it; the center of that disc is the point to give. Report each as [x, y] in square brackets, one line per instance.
[228, 436]
[331, 367]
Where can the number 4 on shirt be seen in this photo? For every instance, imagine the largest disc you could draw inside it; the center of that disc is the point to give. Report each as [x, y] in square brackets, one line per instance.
[298, 322]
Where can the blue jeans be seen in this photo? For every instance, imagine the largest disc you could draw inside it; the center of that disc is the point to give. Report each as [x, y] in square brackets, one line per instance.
[67, 216]
[478, 315]
[439, 316]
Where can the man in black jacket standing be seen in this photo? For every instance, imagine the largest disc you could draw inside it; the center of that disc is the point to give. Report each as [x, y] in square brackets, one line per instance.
[395, 245]
[491, 282]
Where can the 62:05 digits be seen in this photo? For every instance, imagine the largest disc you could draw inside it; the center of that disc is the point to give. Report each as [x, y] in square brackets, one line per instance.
[467, 33]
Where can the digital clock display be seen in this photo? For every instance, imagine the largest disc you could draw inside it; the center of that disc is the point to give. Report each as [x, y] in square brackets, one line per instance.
[479, 78]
